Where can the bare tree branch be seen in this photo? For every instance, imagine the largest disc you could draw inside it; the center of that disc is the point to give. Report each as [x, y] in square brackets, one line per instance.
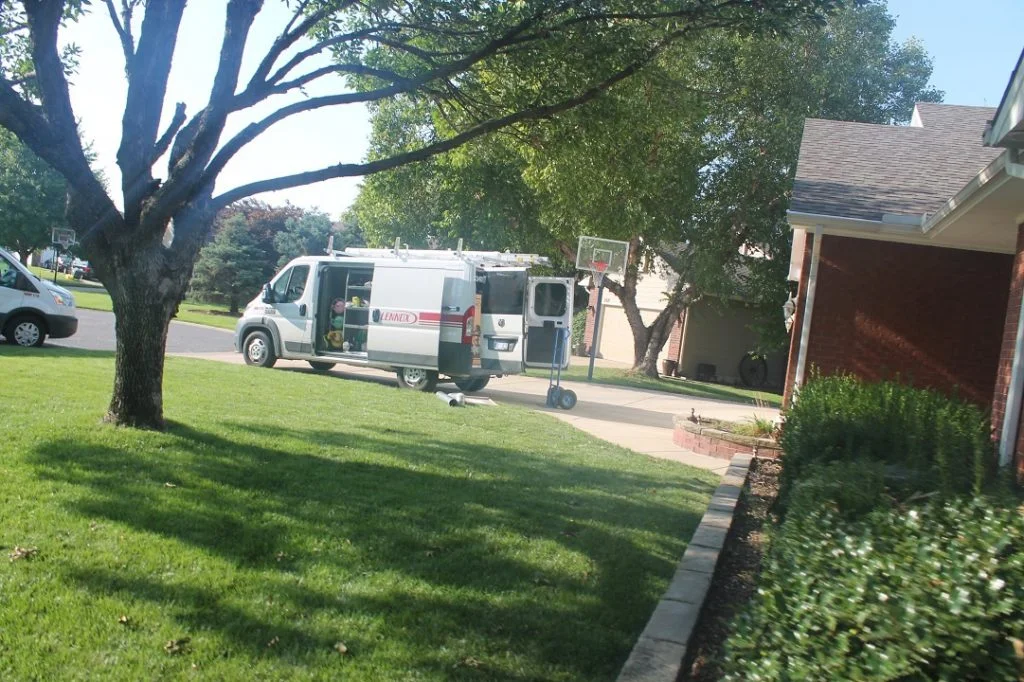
[197, 142]
[348, 170]
[123, 32]
[147, 88]
[165, 140]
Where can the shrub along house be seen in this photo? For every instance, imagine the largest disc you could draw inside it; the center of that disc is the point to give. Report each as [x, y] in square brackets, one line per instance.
[908, 251]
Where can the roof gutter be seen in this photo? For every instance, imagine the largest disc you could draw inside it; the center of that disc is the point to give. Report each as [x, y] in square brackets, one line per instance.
[894, 224]
[992, 177]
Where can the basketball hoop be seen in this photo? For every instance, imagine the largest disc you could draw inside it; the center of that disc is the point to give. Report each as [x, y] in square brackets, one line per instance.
[597, 269]
[63, 237]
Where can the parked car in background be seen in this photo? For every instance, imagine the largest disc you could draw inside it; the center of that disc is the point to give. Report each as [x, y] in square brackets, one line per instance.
[80, 269]
[30, 308]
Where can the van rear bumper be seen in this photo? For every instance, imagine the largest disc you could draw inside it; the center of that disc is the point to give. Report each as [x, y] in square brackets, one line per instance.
[61, 326]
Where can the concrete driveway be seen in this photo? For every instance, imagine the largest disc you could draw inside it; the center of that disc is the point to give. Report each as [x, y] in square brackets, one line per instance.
[637, 419]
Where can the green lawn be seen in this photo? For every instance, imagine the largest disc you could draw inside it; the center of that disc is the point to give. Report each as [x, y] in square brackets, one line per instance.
[697, 389]
[63, 279]
[197, 313]
[283, 513]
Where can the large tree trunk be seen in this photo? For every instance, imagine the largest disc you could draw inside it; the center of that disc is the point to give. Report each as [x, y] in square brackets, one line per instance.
[648, 340]
[658, 333]
[141, 328]
[146, 282]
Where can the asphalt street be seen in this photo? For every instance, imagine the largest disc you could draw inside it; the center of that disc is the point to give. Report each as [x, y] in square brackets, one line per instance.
[96, 332]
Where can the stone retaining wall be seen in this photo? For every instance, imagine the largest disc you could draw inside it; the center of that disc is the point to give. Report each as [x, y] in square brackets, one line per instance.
[705, 440]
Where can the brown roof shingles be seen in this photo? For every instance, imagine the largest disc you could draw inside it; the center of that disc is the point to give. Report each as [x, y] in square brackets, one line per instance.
[861, 170]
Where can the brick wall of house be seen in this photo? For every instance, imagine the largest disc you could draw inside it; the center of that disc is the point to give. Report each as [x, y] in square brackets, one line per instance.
[675, 339]
[1009, 336]
[591, 307]
[932, 316]
[1006, 351]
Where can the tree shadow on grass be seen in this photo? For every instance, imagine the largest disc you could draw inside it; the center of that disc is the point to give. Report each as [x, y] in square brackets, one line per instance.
[452, 523]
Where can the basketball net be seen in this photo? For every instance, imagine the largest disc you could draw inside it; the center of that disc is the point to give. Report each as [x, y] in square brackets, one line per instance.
[598, 269]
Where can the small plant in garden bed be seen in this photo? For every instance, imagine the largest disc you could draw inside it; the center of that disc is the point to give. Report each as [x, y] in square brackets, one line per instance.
[755, 427]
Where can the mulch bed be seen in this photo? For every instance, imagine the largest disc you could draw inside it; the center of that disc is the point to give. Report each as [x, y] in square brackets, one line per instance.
[736, 574]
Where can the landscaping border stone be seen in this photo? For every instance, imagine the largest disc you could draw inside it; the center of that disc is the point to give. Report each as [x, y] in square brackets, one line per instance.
[658, 654]
[705, 440]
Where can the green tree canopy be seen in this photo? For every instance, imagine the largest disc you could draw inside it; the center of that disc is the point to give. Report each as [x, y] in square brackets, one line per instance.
[32, 197]
[691, 161]
[232, 267]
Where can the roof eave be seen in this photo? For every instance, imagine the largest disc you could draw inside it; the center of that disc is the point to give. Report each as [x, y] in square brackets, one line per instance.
[986, 181]
[1007, 129]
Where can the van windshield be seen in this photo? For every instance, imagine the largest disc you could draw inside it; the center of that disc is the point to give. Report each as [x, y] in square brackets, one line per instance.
[503, 293]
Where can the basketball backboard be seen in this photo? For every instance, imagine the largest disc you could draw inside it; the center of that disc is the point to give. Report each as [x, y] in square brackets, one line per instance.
[602, 257]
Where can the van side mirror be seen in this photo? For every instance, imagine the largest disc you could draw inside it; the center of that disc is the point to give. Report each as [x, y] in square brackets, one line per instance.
[268, 293]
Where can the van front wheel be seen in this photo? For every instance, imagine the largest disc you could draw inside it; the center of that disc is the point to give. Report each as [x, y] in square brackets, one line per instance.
[259, 350]
[417, 379]
[26, 331]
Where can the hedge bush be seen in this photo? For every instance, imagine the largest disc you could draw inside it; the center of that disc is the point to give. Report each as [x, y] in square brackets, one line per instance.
[848, 489]
[927, 594]
[579, 328]
[932, 441]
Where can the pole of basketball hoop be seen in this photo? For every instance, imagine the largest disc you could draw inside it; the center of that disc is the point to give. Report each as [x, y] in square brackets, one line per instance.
[599, 281]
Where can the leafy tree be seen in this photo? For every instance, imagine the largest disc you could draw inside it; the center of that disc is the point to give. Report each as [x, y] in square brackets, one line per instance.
[32, 197]
[481, 63]
[303, 236]
[231, 268]
[691, 162]
[264, 222]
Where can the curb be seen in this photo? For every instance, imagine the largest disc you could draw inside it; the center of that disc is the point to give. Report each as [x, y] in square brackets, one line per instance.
[658, 654]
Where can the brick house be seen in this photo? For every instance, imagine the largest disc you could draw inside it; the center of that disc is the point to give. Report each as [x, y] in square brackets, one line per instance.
[908, 251]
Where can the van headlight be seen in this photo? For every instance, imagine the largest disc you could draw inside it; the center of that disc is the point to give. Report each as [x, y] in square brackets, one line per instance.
[62, 299]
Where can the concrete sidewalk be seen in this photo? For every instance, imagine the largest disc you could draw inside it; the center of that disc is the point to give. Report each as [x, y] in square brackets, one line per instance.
[637, 419]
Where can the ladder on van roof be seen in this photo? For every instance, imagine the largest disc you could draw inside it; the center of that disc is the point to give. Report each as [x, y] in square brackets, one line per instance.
[497, 258]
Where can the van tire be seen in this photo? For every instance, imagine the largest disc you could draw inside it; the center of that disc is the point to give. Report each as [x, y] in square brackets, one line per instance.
[472, 384]
[417, 379]
[258, 350]
[27, 331]
[321, 366]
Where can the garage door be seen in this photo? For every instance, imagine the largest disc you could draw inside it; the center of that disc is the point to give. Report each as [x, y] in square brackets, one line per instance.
[616, 339]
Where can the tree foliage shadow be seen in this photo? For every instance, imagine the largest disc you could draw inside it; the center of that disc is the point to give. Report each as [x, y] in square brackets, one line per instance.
[427, 513]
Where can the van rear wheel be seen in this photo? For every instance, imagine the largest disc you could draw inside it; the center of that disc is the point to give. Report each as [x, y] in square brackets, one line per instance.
[472, 384]
[417, 379]
[321, 366]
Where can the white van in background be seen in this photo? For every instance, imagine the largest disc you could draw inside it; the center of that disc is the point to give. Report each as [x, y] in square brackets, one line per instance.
[425, 314]
[30, 308]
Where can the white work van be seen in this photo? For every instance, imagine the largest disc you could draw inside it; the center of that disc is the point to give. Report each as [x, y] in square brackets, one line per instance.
[32, 309]
[425, 314]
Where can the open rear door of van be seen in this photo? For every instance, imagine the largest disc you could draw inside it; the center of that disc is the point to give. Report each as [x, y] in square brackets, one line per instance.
[548, 314]
[405, 313]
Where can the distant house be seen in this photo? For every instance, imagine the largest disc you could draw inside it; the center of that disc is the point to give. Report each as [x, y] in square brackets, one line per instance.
[708, 341]
[909, 253]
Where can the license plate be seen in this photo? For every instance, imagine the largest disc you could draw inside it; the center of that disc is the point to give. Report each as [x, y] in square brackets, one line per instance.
[503, 346]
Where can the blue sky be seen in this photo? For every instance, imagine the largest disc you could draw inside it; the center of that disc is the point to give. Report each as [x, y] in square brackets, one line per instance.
[975, 46]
